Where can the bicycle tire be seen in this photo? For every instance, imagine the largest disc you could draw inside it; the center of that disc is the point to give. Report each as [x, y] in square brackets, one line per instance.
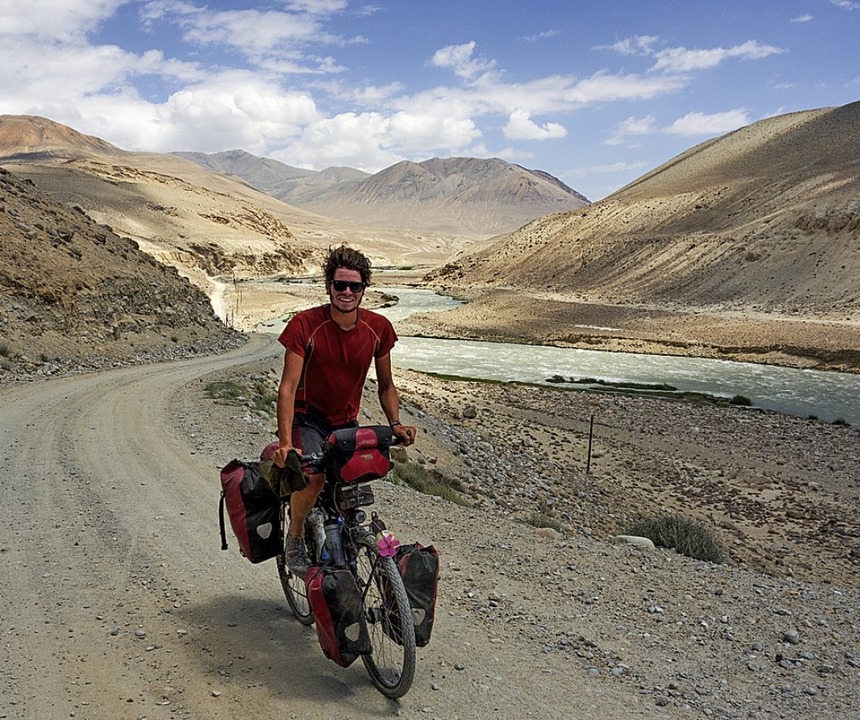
[391, 662]
[293, 585]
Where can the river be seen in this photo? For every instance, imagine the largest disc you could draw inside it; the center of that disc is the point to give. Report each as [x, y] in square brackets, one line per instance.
[826, 395]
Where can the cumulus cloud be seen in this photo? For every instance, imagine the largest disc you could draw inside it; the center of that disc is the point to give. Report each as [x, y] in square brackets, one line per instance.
[606, 169]
[61, 21]
[358, 140]
[681, 59]
[458, 59]
[520, 126]
[696, 123]
[632, 126]
[275, 40]
[637, 45]
[690, 125]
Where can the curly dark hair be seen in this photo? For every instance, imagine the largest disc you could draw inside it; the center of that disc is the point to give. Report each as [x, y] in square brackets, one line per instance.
[346, 257]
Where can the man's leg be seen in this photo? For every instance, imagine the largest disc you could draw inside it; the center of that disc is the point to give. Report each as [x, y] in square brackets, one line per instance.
[301, 503]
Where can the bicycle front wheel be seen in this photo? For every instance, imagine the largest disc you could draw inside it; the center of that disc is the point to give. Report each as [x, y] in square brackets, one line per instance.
[293, 585]
[391, 661]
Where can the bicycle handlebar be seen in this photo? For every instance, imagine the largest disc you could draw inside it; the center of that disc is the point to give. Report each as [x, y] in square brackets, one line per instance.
[320, 456]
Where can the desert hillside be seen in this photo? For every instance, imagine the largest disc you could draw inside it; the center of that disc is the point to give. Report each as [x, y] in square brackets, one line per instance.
[766, 217]
[74, 295]
[760, 226]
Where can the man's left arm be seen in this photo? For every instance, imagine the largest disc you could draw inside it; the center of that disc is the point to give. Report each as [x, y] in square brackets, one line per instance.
[390, 401]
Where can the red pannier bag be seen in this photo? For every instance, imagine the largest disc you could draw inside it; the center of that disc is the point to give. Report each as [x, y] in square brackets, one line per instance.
[360, 454]
[338, 611]
[254, 511]
[419, 568]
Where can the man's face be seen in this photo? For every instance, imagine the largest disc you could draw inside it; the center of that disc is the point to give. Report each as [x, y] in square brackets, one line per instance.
[345, 299]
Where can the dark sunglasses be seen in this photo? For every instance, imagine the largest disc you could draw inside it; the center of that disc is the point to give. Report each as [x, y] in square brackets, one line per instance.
[341, 285]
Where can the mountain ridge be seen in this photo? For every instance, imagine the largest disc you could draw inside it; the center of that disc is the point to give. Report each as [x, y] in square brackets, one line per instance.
[732, 222]
[483, 195]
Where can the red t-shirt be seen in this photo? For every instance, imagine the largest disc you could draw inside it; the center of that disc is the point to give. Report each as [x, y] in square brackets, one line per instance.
[336, 361]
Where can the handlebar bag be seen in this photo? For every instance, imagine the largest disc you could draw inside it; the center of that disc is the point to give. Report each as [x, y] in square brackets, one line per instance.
[338, 611]
[360, 454]
[254, 511]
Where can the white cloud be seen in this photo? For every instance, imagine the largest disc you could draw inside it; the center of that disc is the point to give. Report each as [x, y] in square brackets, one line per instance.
[696, 123]
[632, 126]
[520, 126]
[683, 60]
[61, 20]
[846, 4]
[356, 140]
[458, 58]
[541, 35]
[691, 124]
[56, 76]
[802, 19]
[605, 169]
[605, 87]
[272, 39]
[176, 91]
[317, 7]
[637, 45]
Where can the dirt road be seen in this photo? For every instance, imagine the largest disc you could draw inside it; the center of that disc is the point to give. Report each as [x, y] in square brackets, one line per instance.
[117, 602]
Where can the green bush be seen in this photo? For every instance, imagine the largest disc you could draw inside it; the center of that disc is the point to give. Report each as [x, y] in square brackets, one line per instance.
[540, 519]
[429, 482]
[259, 395]
[226, 391]
[686, 537]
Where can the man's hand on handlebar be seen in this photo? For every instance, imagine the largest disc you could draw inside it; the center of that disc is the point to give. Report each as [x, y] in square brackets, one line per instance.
[280, 455]
[405, 433]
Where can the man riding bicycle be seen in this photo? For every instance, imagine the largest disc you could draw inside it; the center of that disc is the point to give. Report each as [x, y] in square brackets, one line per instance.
[329, 350]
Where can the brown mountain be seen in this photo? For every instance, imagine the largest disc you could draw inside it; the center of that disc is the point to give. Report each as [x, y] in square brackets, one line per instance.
[206, 223]
[28, 137]
[295, 186]
[453, 195]
[764, 220]
[484, 196]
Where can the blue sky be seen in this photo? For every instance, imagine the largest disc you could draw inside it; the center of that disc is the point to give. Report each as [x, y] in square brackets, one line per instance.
[594, 93]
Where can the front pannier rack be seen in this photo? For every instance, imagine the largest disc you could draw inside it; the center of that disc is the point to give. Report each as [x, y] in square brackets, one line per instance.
[350, 497]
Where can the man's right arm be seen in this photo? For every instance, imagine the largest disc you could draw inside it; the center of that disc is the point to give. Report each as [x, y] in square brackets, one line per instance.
[290, 378]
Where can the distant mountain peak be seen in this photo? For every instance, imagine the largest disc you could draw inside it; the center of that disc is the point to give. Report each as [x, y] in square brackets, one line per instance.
[23, 136]
[483, 196]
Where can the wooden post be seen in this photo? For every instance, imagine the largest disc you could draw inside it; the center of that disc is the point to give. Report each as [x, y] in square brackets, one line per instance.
[590, 437]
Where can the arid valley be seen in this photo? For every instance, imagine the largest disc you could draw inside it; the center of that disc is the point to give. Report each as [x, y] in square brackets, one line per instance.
[117, 601]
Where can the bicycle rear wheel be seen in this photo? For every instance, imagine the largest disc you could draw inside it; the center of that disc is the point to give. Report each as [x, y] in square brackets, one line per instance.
[293, 585]
[391, 662]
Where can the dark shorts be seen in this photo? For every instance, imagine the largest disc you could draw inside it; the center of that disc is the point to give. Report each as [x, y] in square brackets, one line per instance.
[310, 434]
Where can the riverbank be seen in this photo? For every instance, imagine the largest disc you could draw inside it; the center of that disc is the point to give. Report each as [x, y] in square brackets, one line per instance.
[517, 316]
[504, 315]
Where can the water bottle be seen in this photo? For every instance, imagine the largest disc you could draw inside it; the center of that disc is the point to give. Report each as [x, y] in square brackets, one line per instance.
[333, 542]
